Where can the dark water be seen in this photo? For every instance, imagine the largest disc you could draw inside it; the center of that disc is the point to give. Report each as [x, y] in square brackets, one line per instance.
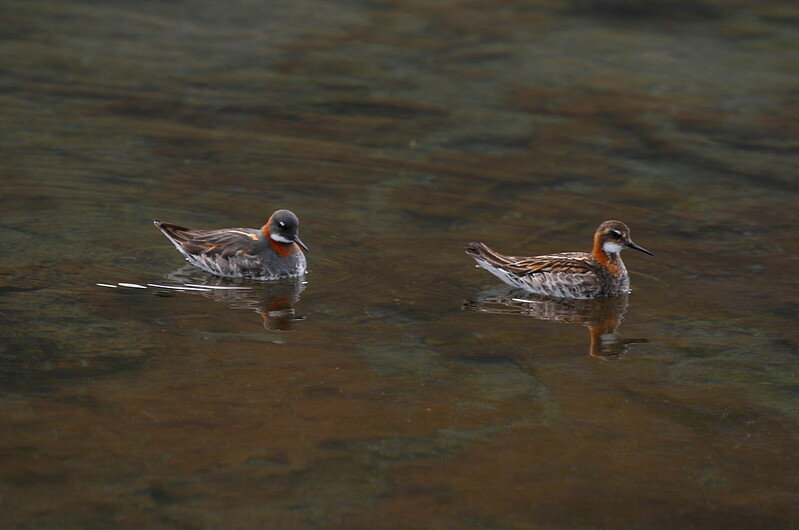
[399, 387]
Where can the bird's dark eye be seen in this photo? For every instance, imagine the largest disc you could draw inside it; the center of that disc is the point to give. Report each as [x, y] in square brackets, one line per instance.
[281, 224]
[615, 233]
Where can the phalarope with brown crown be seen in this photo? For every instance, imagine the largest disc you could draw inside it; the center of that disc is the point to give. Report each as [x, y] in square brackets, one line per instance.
[568, 274]
[268, 253]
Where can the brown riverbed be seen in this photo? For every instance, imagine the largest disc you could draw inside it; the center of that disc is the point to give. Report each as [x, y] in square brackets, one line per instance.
[398, 387]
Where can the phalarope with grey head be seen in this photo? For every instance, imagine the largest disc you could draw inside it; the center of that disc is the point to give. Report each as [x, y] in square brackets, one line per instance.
[268, 253]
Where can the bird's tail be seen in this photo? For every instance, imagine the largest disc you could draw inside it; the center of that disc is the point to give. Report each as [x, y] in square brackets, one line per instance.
[175, 233]
[482, 253]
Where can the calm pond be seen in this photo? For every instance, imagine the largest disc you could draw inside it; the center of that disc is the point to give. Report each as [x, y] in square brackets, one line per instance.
[398, 386]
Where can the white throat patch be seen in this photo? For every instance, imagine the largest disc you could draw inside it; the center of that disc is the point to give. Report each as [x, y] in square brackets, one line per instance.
[611, 248]
[281, 239]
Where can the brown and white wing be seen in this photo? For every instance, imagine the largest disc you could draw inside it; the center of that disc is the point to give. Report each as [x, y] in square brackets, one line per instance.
[226, 252]
[567, 275]
[564, 277]
[224, 242]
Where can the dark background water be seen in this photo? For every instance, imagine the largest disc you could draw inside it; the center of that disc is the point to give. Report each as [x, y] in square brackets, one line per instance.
[394, 396]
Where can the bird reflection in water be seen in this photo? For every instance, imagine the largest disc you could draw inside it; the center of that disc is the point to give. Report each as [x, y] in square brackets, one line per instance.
[273, 300]
[602, 316]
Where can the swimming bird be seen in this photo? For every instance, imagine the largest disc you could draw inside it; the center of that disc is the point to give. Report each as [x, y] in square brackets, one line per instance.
[569, 274]
[268, 253]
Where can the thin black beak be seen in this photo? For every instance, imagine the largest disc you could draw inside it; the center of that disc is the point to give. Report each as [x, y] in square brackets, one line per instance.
[300, 243]
[636, 247]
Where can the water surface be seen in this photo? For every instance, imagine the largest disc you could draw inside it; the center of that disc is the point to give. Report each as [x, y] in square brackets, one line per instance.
[399, 386]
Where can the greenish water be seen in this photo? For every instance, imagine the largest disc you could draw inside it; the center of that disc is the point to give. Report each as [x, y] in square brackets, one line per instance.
[398, 386]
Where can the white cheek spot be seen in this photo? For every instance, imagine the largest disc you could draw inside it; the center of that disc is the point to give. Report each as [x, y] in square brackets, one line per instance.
[280, 239]
[611, 248]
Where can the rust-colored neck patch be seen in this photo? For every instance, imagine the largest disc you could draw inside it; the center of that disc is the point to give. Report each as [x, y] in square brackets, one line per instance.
[282, 249]
[601, 256]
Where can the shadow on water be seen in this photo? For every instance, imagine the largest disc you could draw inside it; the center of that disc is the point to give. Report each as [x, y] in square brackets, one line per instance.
[602, 316]
[273, 300]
